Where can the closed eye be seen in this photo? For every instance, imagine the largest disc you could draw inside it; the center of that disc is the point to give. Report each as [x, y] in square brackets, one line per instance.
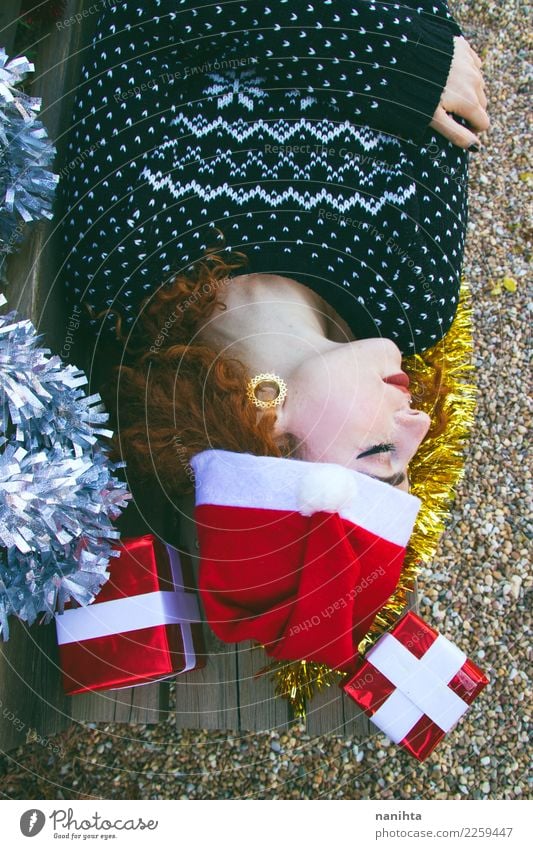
[376, 449]
[393, 480]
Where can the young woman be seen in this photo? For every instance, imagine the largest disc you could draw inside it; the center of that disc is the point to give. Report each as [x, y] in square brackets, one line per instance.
[269, 189]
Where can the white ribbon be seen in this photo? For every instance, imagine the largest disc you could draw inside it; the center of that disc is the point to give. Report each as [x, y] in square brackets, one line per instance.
[147, 610]
[421, 685]
[120, 615]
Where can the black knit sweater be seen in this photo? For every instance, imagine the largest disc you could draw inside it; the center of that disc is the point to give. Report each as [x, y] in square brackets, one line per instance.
[300, 130]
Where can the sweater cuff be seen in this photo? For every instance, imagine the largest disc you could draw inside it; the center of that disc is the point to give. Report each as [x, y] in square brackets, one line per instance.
[419, 92]
[441, 22]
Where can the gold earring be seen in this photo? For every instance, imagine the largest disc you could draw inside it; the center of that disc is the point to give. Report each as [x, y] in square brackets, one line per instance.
[267, 378]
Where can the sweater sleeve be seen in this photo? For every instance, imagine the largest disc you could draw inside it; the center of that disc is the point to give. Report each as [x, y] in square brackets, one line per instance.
[437, 12]
[384, 64]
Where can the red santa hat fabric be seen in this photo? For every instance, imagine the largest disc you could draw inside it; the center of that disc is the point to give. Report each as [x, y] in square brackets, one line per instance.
[299, 556]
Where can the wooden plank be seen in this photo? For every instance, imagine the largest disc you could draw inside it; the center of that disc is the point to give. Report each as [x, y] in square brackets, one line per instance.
[9, 15]
[31, 269]
[324, 712]
[208, 697]
[31, 694]
[356, 723]
[143, 704]
[260, 709]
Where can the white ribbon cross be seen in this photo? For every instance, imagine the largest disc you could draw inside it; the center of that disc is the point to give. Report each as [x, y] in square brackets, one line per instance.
[421, 685]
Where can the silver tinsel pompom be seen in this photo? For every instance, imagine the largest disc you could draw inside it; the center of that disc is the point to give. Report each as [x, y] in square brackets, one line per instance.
[58, 496]
[26, 186]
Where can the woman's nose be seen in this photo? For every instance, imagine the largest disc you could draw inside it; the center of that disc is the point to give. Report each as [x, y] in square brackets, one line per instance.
[415, 422]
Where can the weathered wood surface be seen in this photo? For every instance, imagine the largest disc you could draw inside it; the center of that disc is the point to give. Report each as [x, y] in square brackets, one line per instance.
[9, 12]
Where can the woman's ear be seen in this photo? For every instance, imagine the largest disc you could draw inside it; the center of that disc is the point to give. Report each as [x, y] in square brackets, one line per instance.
[283, 417]
[285, 439]
[276, 414]
[279, 427]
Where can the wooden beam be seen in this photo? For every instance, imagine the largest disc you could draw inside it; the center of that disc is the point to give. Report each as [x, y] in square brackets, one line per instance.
[260, 709]
[33, 701]
[208, 697]
[9, 15]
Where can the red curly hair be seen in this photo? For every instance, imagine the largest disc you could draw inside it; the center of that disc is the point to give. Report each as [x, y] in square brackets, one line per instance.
[171, 398]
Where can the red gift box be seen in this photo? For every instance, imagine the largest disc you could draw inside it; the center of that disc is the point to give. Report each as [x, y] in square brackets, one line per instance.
[142, 627]
[415, 685]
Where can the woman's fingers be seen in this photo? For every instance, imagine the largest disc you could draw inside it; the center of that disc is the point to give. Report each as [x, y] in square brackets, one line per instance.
[483, 99]
[475, 56]
[476, 117]
[469, 102]
[464, 96]
[452, 130]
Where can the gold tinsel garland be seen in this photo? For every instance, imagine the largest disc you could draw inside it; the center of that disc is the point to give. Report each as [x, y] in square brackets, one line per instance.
[441, 386]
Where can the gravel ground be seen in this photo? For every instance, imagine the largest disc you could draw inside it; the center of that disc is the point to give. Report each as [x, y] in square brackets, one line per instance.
[474, 590]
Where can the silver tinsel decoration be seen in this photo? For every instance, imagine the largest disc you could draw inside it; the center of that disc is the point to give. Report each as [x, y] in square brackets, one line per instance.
[26, 186]
[57, 494]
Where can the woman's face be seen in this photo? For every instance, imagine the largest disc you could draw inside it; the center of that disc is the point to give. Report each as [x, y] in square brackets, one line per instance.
[345, 409]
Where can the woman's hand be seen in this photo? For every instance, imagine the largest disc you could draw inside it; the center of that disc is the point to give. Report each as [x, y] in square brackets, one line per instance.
[464, 95]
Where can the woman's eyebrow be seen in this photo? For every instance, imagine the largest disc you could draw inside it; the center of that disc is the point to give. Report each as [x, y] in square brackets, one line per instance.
[394, 480]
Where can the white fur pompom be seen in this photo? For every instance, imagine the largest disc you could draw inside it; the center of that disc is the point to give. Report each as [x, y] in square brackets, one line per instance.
[327, 487]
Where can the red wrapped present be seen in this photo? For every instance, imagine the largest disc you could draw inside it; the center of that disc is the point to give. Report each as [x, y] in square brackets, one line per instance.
[142, 627]
[415, 685]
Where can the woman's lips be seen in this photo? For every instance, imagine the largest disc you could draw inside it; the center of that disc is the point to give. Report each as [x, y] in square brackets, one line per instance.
[400, 379]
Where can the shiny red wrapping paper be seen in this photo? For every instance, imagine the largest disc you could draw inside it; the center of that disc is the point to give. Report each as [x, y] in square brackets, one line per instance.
[139, 656]
[371, 689]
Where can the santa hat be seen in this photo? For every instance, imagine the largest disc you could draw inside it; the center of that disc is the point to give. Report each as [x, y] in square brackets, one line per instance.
[299, 556]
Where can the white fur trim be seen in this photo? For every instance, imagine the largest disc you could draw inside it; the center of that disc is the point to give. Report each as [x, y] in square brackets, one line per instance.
[327, 487]
[232, 479]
